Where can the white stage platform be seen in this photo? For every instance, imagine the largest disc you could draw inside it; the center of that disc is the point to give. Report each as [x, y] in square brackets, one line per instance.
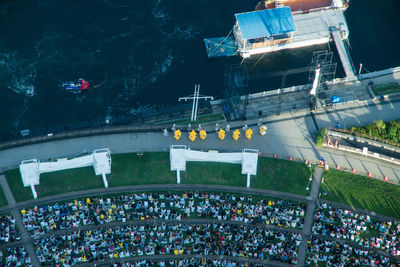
[179, 155]
[31, 169]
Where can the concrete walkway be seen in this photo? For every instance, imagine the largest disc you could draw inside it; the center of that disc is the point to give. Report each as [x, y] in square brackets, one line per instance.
[309, 219]
[289, 135]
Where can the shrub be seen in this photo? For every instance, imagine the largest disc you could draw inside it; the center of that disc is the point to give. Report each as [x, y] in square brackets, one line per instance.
[320, 137]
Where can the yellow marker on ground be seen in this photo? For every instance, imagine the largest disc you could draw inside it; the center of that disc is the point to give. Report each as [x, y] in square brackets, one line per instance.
[263, 130]
[221, 134]
[192, 135]
[236, 134]
[177, 134]
[203, 134]
[249, 133]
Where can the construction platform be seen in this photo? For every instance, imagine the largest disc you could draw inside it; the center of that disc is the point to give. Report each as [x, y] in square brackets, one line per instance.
[220, 47]
[311, 29]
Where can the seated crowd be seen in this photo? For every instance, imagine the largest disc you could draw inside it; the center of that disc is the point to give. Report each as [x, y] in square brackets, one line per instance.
[16, 256]
[331, 253]
[168, 239]
[164, 206]
[8, 229]
[359, 228]
[188, 262]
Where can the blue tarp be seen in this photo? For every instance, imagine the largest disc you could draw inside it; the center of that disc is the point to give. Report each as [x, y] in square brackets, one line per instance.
[265, 23]
[335, 99]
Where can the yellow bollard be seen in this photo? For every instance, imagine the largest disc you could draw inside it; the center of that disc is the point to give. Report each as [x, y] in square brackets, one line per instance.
[192, 135]
[221, 134]
[236, 134]
[249, 133]
[177, 134]
[203, 134]
[263, 130]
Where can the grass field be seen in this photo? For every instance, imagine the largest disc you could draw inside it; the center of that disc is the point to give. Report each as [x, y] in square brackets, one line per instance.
[3, 200]
[200, 119]
[281, 175]
[151, 168]
[154, 168]
[362, 192]
[385, 89]
[54, 183]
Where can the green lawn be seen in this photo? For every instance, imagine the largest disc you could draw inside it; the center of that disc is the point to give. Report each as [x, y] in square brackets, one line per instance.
[154, 168]
[385, 89]
[362, 192]
[54, 183]
[281, 175]
[3, 200]
[20, 192]
[200, 119]
[213, 173]
[151, 168]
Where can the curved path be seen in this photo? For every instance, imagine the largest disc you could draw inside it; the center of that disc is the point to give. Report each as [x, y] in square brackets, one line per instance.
[306, 231]
[155, 187]
[289, 135]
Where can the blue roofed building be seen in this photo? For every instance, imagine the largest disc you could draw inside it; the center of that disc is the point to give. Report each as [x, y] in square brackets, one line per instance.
[271, 30]
[257, 30]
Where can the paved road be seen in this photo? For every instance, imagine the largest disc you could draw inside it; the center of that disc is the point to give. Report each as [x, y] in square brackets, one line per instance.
[288, 135]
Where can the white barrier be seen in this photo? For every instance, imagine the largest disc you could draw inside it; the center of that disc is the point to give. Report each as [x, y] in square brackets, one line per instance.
[179, 155]
[31, 169]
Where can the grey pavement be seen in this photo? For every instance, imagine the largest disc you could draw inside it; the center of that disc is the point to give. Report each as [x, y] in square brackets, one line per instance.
[289, 135]
[309, 218]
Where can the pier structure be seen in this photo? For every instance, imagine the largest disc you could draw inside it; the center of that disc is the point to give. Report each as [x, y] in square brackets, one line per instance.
[271, 30]
[344, 57]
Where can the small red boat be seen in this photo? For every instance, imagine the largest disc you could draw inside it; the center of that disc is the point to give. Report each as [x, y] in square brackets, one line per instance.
[76, 86]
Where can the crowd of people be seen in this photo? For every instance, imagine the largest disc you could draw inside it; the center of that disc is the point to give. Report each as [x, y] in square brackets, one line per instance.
[188, 262]
[16, 256]
[8, 229]
[359, 228]
[164, 206]
[168, 239]
[331, 253]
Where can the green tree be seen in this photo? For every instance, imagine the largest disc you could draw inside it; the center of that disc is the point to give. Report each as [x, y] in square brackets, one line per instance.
[380, 125]
[392, 133]
[369, 129]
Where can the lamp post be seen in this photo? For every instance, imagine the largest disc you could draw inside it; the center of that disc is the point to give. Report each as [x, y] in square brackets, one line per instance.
[310, 179]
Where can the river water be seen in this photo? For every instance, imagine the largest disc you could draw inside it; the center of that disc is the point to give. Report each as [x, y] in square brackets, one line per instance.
[140, 55]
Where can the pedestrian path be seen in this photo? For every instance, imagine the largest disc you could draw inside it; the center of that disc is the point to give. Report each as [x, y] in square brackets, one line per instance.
[306, 231]
[309, 219]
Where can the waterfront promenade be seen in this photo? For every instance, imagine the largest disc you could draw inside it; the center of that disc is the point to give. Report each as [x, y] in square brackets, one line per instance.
[289, 135]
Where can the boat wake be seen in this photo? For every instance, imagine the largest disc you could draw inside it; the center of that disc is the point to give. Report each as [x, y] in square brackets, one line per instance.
[162, 67]
[20, 78]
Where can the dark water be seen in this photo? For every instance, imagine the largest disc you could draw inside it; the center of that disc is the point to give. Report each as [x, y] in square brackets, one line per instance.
[144, 54]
